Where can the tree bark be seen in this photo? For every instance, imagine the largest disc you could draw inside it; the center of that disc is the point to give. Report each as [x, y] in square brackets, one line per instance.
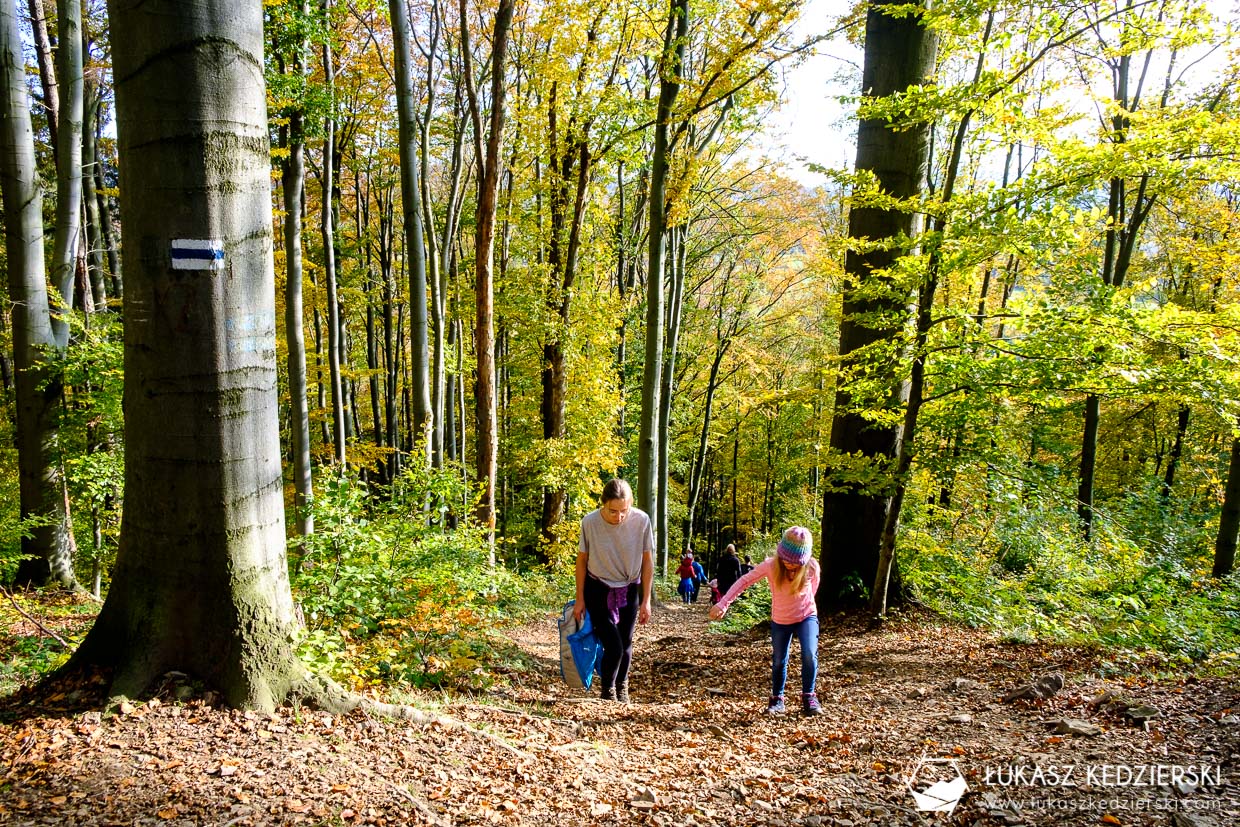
[699, 460]
[327, 228]
[49, 545]
[667, 385]
[115, 275]
[1177, 449]
[68, 161]
[1229, 519]
[201, 582]
[899, 53]
[47, 69]
[670, 63]
[415, 250]
[563, 272]
[90, 201]
[484, 244]
[292, 182]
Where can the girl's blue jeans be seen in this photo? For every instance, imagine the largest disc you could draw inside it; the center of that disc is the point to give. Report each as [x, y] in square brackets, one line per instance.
[806, 633]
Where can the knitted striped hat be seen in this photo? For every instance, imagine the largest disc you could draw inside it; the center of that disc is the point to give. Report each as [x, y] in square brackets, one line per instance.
[796, 545]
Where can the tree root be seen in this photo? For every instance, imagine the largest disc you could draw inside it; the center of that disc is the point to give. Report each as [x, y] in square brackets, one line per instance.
[329, 696]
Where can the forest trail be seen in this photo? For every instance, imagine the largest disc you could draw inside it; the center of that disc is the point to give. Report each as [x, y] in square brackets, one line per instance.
[694, 748]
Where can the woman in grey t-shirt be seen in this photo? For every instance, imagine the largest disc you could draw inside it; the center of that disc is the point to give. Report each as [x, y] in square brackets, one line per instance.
[615, 574]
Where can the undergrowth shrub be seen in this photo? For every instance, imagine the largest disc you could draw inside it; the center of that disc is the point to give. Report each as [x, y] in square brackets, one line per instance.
[392, 595]
[1016, 562]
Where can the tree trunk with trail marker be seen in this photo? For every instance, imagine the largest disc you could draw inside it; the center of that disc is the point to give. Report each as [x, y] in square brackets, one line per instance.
[201, 581]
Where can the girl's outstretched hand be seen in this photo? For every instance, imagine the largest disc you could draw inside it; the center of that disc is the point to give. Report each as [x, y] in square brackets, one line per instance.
[717, 612]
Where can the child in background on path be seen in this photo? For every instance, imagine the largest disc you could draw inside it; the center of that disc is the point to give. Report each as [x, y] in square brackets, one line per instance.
[688, 578]
[793, 574]
[699, 578]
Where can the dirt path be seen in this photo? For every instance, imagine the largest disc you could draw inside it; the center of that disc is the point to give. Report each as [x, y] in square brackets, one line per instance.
[693, 749]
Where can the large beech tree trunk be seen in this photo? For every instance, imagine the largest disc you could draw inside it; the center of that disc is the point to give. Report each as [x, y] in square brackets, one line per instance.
[899, 53]
[201, 582]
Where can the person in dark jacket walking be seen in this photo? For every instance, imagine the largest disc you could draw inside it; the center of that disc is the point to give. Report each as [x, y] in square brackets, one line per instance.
[728, 570]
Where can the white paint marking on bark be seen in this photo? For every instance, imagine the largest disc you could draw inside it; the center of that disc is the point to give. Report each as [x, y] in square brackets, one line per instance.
[197, 254]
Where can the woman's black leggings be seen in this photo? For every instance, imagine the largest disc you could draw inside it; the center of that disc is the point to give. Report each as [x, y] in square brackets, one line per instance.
[616, 638]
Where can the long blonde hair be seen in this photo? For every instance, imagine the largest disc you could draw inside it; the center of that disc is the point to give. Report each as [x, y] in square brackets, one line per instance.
[781, 577]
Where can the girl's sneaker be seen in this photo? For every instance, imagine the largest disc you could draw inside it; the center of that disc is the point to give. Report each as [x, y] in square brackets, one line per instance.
[775, 706]
[809, 704]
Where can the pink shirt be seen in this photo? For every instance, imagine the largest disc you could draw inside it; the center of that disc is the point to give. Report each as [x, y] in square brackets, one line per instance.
[786, 606]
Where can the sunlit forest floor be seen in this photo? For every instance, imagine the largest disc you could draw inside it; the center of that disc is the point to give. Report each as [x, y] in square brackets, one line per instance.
[694, 747]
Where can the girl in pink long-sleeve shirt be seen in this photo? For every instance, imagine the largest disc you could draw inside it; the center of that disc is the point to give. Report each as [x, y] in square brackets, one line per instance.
[793, 574]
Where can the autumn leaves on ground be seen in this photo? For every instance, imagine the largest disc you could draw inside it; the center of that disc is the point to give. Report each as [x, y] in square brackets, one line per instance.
[693, 747]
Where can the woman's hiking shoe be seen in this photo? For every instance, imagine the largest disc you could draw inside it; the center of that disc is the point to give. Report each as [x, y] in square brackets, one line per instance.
[607, 693]
[775, 706]
[622, 693]
[809, 704]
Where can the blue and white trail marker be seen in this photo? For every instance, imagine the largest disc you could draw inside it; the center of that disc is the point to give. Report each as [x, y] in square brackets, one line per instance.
[197, 254]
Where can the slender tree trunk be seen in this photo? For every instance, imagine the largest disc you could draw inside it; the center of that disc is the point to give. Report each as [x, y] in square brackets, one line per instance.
[49, 545]
[1177, 449]
[1126, 213]
[292, 182]
[328, 231]
[484, 237]
[376, 392]
[670, 67]
[90, 202]
[899, 53]
[1229, 519]
[116, 278]
[449, 430]
[563, 275]
[390, 384]
[1089, 462]
[47, 70]
[626, 282]
[443, 408]
[415, 249]
[68, 160]
[667, 384]
[736, 452]
[699, 463]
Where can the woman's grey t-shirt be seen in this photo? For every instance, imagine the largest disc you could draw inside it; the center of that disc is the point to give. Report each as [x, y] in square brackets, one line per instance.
[615, 551]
